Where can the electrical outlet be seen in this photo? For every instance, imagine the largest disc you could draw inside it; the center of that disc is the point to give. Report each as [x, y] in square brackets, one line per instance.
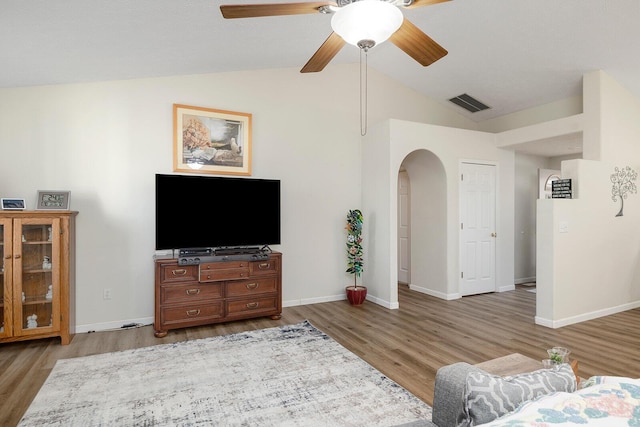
[106, 293]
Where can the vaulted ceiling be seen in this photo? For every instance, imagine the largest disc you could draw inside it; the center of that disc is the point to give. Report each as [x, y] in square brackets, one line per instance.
[509, 54]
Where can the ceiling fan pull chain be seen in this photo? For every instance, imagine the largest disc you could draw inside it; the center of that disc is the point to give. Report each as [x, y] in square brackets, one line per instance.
[363, 92]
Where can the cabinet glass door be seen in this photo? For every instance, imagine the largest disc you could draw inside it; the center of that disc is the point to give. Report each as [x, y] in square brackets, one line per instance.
[5, 277]
[36, 275]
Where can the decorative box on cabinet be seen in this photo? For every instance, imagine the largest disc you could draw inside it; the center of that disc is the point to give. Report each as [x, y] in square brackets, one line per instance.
[216, 292]
[37, 288]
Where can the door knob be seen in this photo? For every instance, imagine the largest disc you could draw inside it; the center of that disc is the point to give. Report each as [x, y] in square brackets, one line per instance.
[494, 235]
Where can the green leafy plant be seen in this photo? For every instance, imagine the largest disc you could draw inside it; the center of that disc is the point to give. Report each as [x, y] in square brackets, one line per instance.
[556, 357]
[558, 354]
[354, 244]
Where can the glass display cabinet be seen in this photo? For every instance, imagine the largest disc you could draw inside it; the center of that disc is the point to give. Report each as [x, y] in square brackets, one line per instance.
[37, 249]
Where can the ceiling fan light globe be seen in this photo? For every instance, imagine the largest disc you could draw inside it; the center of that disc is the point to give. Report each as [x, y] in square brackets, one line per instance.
[367, 20]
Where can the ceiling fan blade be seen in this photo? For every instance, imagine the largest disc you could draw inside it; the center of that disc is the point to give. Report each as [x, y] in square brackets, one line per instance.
[274, 9]
[417, 44]
[324, 55]
[420, 3]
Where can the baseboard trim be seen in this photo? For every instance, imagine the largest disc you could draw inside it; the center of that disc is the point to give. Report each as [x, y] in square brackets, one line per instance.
[308, 301]
[433, 293]
[108, 326]
[554, 324]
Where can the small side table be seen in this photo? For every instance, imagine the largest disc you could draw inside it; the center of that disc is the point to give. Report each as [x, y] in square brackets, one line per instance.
[517, 363]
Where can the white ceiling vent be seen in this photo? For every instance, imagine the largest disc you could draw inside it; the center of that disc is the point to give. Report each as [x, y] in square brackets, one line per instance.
[469, 103]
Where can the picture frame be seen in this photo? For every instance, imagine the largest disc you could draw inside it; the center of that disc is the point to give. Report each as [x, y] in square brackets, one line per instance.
[206, 140]
[13, 204]
[53, 200]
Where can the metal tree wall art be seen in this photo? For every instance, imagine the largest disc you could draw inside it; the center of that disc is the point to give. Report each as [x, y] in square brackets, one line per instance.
[623, 185]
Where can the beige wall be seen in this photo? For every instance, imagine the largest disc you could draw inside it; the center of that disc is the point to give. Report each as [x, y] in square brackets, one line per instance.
[384, 150]
[105, 142]
[587, 257]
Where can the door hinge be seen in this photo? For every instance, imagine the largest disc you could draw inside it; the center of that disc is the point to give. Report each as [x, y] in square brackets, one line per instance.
[462, 226]
[462, 274]
[461, 177]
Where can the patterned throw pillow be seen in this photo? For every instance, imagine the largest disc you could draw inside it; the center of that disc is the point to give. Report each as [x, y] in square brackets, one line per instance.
[488, 397]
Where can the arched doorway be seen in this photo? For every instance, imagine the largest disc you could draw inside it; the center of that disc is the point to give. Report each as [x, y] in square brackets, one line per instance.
[427, 215]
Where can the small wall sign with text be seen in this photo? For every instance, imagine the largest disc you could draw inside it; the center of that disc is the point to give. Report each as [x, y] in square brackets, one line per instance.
[561, 189]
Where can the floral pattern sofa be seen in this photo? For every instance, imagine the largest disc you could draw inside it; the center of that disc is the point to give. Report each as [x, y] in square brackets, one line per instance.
[467, 396]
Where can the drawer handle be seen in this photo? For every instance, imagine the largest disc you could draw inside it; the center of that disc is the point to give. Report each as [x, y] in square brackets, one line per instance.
[264, 265]
[252, 285]
[17, 256]
[193, 313]
[193, 291]
[252, 305]
[180, 272]
[7, 256]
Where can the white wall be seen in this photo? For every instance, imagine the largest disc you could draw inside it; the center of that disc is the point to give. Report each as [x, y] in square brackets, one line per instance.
[531, 116]
[526, 194]
[587, 257]
[384, 150]
[105, 142]
[428, 219]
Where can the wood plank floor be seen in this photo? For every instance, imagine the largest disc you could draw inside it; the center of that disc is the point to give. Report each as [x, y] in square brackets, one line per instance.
[408, 345]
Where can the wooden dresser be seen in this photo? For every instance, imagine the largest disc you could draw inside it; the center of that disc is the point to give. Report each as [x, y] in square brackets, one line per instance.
[215, 292]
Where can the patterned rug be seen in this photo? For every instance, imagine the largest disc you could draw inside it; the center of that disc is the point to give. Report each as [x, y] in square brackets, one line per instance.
[286, 376]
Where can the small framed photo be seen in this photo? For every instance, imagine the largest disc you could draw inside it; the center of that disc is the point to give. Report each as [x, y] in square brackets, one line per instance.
[211, 141]
[14, 204]
[53, 200]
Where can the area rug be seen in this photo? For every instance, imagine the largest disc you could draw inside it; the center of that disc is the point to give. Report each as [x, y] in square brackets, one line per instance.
[285, 376]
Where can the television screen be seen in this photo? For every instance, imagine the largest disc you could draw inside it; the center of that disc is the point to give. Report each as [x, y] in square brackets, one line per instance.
[215, 212]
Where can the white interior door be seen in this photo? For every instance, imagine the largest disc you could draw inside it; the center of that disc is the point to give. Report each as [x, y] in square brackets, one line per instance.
[478, 228]
[404, 235]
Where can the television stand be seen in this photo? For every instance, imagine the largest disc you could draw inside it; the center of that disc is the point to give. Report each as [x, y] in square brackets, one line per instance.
[216, 291]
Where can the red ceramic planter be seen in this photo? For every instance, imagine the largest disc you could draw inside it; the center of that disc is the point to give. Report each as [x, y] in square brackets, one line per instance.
[356, 296]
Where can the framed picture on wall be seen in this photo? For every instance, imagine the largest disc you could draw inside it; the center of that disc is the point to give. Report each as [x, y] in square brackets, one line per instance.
[13, 204]
[56, 200]
[211, 141]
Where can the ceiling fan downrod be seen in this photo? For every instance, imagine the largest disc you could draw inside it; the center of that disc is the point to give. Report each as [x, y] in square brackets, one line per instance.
[364, 46]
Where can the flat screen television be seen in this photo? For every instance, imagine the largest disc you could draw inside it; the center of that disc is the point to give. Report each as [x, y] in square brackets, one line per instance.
[215, 212]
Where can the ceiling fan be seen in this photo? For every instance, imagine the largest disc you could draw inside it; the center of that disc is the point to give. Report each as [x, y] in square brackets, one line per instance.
[384, 21]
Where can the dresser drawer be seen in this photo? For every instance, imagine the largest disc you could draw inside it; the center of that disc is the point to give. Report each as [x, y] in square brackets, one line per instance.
[189, 292]
[172, 272]
[217, 271]
[261, 268]
[253, 306]
[258, 286]
[191, 313]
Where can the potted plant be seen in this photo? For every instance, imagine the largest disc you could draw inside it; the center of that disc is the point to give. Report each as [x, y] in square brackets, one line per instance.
[355, 294]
